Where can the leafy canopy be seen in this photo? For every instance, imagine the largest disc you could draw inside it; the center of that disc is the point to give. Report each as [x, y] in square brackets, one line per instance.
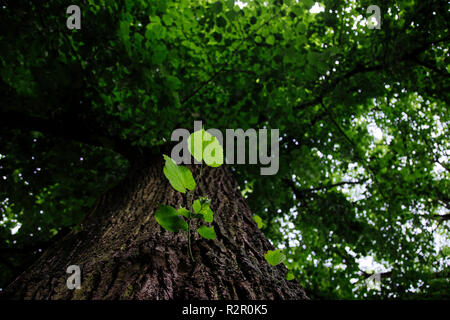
[363, 117]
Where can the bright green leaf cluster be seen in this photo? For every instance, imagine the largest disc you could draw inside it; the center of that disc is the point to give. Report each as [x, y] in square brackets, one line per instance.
[274, 257]
[201, 206]
[181, 179]
[258, 221]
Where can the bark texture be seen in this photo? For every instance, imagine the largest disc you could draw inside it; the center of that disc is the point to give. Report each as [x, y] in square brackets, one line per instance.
[124, 254]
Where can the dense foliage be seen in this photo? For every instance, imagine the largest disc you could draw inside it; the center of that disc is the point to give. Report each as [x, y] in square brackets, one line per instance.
[362, 115]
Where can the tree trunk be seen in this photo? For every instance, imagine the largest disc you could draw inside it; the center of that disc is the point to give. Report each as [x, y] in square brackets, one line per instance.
[124, 254]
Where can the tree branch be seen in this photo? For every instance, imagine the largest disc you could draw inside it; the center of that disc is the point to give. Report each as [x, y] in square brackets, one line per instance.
[299, 193]
[360, 69]
[326, 187]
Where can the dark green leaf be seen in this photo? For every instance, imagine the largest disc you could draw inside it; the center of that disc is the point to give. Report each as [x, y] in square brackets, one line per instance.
[207, 232]
[169, 219]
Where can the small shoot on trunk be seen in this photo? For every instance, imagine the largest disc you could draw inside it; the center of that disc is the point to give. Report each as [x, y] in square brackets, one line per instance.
[203, 147]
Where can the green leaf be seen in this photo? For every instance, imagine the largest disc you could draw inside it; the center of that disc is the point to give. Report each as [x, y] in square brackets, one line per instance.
[197, 206]
[258, 221]
[180, 177]
[155, 30]
[308, 3]
[297, 10]
[445, 251]
[274, 257]
[168, 218]
[301, 28]
[208, 214]
[207, 232]
[201, 206]
[173, 82]
[204, 146]
[159, 53]
[183, 212]
[167, 19]
[290, 276]
[270, 40]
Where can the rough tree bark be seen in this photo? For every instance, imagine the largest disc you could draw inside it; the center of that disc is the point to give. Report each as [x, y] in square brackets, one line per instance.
[124, 254]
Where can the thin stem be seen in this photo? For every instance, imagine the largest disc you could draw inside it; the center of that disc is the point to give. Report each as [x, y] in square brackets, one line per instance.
[190, 197]
[189, 205]
[200, 175]
[189, 238]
